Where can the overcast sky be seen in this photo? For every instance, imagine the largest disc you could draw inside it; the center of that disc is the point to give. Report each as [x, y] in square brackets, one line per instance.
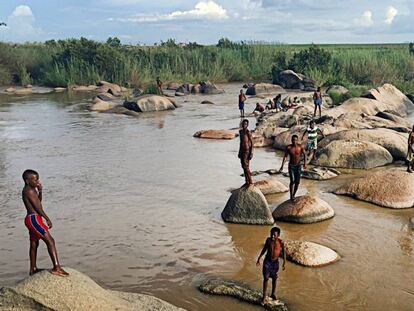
[205, 21]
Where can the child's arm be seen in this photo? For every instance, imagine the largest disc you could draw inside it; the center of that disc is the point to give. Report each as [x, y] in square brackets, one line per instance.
[37, 205]
[284, 256]
[249, 135]
[261, 253]
[284, 159]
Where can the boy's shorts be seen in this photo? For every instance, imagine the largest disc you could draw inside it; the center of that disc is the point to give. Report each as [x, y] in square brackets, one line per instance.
[241, 106]
[35, 225]
[270, 268]
[317, 102]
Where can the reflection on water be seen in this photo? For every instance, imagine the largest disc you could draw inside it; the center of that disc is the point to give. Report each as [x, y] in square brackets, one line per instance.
[136, 204]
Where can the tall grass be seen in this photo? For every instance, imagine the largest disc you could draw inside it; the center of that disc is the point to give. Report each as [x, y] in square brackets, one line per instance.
[83, 61]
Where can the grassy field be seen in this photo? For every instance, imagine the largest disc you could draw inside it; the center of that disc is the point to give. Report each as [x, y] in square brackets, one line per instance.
[68, 62]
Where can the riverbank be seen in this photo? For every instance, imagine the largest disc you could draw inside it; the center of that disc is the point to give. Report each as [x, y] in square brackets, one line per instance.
[165, 205]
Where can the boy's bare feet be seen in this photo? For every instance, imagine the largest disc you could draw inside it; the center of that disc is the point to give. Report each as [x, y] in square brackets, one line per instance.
[59, 272]
[273, 297]
[35, 270]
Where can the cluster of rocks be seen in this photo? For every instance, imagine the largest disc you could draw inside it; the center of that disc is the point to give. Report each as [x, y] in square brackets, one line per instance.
[44, 291]
[203, 87]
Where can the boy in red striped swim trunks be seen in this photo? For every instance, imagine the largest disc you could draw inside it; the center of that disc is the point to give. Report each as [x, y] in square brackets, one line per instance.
[32, 199]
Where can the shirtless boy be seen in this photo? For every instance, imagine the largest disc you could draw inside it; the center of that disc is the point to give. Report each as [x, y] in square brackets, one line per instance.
[317, 101]
[246, 151]
[32, 199]
[273, 248]
[294, 151]
[242, 99]
[410, 153]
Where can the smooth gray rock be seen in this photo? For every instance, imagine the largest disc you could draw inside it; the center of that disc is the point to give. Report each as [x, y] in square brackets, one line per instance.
[77, 292]
[310, 254]
[320, 173]
[149, 103]
[240, 291]
[247, 206]
[305, 210]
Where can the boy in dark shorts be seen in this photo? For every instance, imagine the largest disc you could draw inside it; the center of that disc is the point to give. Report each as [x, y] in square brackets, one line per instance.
[242, 99]
[317, 101]
[246, 151]
[32, 199]
[295, 152]
[274, 247]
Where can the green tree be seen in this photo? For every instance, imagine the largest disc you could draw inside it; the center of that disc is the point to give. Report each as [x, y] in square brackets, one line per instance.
[113, 42]
[311, 58]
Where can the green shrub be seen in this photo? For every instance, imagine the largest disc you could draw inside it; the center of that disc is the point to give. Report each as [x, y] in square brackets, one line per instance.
[152, 89]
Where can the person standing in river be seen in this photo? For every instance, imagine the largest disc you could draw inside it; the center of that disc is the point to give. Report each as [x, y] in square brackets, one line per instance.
[317, 101]
[242, 99]
[32, 199]
[295, 151]
[410, 153]
[246, 151]
[273, 247]
[159, 86]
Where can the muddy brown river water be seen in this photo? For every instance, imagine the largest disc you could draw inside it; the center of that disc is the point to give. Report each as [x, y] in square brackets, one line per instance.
[136, 205]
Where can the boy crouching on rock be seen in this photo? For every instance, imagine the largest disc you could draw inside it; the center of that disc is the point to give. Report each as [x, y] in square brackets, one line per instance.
[273, 248]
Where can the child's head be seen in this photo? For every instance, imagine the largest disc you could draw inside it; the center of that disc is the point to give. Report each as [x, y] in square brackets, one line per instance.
[319, 88]
[241, 91]
[245, 123]
[312, 124]
[30, 177]
[275, 232]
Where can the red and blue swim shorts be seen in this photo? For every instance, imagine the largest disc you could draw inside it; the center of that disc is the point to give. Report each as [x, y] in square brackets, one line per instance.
[37, 229]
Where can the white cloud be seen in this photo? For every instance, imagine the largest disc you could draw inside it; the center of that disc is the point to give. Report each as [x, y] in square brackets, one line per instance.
[22, 11]
[365, 20]
[21, 26]
[203, 9]
[390, 15]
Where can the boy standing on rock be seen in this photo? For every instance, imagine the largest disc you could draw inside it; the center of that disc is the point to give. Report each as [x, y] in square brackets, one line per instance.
[273, 248]
[317, 100]
[32, 199]
[246, 151]
[410, 154]
[312, 144]
[295, 151]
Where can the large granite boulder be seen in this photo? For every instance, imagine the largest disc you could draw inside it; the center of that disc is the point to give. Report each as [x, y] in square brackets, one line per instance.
[209, 88]
[173, 86]
[264, 88]
[353, 120]
[352, 154]
[339, 89]
[292, 80]
[44, 292]
[310, 254]
[240, 291]
[271, 186]
[149, 103]
[216, 134]
[394, 118]
[389, 94]
[101, 105]
[394, 142]
[304, 209]
[247, 206]
[106, 87]
[392, 188]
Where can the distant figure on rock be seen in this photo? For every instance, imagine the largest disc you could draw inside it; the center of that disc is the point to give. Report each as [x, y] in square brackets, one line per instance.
[410, 153]
[242, 99]
[159, 86]
[32, 199]
[317, 100]
[312, 144]
[294, 151]
[258, 108]
[274, 247]
[246, 151]
[278, 102]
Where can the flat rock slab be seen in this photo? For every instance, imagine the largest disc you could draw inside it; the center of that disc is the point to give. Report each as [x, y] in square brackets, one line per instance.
[247, 206]
[240, 291]
[310, 254]
[304, 209]
[271, 186]
[44, 291]
[392, 188]
[216, 134]
[320, 173]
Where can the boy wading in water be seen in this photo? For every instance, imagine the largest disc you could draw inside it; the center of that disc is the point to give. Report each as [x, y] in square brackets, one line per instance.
[246, 151]
[410, 154]
[242, 99]
[295, 151]
[317, 101]
[312, 144]
[32, 199]
[273, 248]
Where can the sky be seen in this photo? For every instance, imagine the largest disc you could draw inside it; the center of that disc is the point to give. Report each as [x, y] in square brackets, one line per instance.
[206, 21]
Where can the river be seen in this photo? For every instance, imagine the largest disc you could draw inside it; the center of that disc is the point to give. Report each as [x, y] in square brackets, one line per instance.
[136, 204]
